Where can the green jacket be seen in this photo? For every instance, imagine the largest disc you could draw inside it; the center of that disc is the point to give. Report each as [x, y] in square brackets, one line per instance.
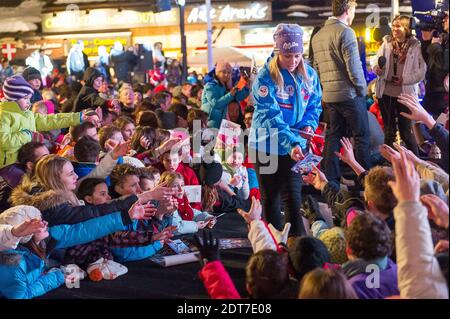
[16, 127]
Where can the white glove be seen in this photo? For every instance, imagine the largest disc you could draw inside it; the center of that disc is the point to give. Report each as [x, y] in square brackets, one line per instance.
[280, 236]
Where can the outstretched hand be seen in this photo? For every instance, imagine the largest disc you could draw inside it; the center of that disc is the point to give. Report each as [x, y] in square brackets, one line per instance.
[157, 193]
[254, 213]
[409, 155]
[348, 155]
[437, 209]
[164, 235]
[280, 236]
[120, 149]
[388, 153]
[139, 211]
[418, 113]
[28, 227]
[208, 246]
[316, 178]
[169, 144]
[406, 186]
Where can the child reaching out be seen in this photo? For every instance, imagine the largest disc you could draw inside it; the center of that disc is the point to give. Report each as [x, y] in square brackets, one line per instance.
[187, 219]
[24, 271]
[97, 256]
[235, 174]
[18, 125]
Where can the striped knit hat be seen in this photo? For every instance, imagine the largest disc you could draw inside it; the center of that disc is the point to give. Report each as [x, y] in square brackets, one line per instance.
[15, 88]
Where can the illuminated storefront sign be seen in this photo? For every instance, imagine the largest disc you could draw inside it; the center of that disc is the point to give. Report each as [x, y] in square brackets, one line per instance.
[104, 19]
[241, 12]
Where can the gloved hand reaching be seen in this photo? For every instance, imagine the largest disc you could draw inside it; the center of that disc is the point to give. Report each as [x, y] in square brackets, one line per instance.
[208, 247]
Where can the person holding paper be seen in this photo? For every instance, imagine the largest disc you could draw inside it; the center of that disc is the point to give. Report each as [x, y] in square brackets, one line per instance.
[186, 218]
[171, 162]
[235, 173]
[287, 96]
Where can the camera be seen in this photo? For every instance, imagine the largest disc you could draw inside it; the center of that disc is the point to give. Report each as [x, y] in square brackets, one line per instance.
[431, 20]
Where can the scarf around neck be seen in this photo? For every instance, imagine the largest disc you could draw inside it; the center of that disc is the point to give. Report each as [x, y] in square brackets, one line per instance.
[184, 208]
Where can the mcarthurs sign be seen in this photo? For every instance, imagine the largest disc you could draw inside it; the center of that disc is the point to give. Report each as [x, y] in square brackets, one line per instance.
[104, 19]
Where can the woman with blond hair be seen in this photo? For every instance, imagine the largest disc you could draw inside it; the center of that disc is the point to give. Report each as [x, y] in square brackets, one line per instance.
[51, 190]
[402, 72]
[287, 96]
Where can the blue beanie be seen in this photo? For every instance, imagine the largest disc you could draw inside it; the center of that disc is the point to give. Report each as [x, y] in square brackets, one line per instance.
[288, 38]
[15, 88]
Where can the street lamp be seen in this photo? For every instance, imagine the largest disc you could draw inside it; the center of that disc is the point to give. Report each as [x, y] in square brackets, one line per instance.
[181, 4]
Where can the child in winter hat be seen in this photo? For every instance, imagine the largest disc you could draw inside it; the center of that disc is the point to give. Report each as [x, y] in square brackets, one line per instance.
[18, 125]
[31, 73]
[16, 88]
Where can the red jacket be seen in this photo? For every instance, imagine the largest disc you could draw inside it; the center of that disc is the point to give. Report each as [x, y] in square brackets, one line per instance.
[217, 281]
[190, 178]
[375, 110]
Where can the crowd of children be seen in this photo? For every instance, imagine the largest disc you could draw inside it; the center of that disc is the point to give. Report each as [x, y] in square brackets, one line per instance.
[99, 176]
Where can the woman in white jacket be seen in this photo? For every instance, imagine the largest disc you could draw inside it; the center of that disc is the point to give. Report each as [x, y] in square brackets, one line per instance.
[402, 72]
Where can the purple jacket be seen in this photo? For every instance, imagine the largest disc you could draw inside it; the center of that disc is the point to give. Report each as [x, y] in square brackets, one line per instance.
[10, 177]
[388, 283]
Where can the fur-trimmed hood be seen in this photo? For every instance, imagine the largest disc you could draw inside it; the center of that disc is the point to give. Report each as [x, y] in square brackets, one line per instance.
[32, 194]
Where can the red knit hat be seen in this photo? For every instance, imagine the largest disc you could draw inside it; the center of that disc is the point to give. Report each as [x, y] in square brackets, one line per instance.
[160, 88]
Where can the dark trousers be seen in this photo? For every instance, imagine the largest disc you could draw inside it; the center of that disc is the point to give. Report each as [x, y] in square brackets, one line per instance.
[435, 103]
[346, 116]
[390, 111]
[282, 186]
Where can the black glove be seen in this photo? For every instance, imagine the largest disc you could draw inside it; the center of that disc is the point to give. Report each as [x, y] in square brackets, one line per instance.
[310, 210]
[208, 247]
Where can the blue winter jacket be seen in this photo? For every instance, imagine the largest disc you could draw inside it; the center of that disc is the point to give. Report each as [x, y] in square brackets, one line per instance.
[125, 254]
[215, 100]
[83, 169]
[23, 274]
[278, 113]
[252, 178]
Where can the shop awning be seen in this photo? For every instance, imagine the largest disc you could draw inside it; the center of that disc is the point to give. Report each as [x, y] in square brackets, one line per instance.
[229, 54]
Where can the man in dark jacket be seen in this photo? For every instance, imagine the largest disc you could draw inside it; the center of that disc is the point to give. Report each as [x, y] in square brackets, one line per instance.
[336, 57]
[88, 98]
[435, 53]
[33, 76]
[123, 62]
[67, 105]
